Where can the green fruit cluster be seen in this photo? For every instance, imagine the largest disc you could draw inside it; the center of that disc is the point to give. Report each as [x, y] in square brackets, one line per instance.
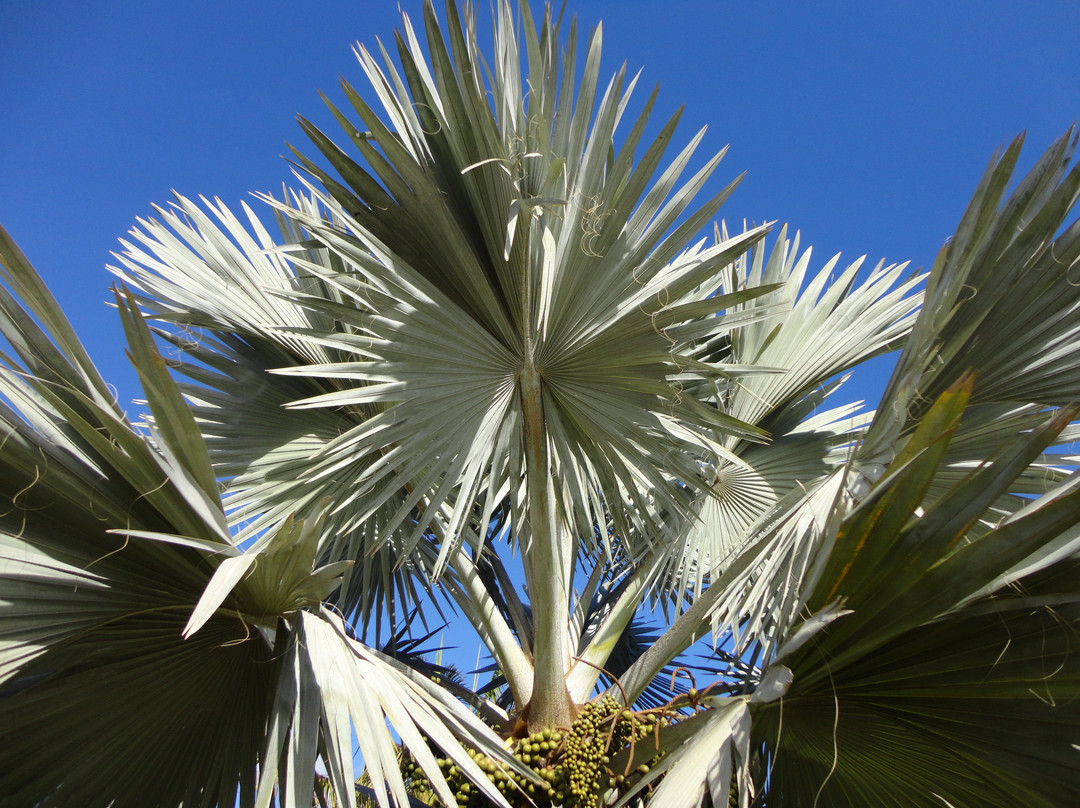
[586, 753]
[572, 764]
[542, 752]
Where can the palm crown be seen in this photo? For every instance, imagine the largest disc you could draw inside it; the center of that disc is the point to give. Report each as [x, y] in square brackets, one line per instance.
[487, 328]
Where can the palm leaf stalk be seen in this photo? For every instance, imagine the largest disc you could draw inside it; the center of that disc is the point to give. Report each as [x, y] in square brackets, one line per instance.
[488, 327]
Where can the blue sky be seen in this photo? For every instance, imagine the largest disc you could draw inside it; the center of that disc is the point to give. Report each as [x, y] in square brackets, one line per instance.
[866, 125]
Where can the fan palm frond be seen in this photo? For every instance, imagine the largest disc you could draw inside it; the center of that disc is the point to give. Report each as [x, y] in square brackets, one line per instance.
[144, 656]
[943, 649]
[499, 305]
[94, 673]
[1005, 273]
[959, 555]
[221, 283]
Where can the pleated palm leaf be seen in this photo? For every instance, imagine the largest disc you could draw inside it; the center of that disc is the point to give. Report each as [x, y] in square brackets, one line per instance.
[136, 667]
[236, 326]
[953, 677]
[515, 313]
[949, 675]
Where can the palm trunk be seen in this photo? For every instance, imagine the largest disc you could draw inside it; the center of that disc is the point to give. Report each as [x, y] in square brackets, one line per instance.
[547, 568]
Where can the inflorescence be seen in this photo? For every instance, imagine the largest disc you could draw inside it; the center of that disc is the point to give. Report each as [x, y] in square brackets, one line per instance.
[574, 764]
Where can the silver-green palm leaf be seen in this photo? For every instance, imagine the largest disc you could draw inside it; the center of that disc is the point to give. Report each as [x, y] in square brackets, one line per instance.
[217, 280]
[143, 657]
[499, 306]
[502, 243]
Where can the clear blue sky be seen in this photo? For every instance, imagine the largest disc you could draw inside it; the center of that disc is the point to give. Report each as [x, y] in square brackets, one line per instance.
[864, 124]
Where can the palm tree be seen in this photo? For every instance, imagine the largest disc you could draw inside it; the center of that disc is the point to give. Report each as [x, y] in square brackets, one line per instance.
[489, 336]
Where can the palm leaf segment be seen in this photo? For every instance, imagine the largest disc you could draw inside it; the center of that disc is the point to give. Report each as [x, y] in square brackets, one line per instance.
[950, 671]
[513, 234]
[938, 661]
[497, 239]
[143, 658]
